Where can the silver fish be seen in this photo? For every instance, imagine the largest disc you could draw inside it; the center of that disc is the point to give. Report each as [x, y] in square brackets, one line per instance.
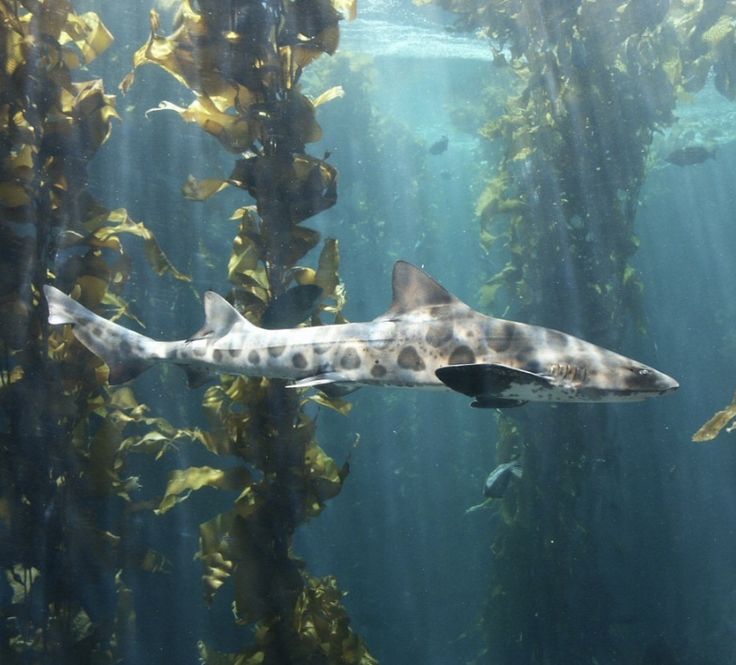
[427, 339]
[498, 480]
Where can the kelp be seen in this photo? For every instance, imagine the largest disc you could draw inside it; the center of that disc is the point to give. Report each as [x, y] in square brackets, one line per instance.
[595, 80]
[723, 419]
[62, 437]
[243, 67]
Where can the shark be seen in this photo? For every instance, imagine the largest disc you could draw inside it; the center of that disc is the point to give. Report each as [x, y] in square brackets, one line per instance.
[427, 338]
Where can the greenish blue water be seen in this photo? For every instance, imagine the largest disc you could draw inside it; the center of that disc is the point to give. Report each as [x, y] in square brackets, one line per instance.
[415, 566]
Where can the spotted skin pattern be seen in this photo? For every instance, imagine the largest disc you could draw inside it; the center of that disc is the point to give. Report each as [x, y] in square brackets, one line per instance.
[425, 329]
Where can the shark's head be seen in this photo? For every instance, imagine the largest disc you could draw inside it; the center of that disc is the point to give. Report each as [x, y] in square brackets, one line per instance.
[610, 377]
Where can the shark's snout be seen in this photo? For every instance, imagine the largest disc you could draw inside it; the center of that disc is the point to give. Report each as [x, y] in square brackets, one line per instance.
[666, 384]
[648, 380]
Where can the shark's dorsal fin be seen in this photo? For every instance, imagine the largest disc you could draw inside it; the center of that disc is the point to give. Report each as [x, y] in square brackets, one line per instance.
[413, 288]
[219, 318]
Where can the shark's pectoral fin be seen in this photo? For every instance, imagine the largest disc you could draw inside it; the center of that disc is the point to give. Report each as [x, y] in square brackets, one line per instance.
[494, 386]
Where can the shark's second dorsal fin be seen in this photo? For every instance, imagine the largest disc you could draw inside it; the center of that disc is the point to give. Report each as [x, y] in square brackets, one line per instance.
[413, 288]
[219, 318]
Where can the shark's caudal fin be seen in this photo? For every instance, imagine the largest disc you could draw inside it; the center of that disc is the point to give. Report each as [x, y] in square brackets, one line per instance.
[126, 353]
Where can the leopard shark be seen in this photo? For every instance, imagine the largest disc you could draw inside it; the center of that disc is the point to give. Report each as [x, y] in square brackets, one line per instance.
[428, 338]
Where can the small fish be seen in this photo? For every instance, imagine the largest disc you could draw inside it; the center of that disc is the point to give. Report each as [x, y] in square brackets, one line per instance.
[292, 307]
[438, 147]
[498, 480]
[693, 154]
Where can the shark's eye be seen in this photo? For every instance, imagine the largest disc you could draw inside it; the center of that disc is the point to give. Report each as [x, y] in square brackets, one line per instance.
[643, 372]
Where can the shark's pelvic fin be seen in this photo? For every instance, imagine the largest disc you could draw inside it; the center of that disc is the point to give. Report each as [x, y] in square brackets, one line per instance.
[319, 380]
[413, 288]
[219, 318]
[488, 382]
[332, 384]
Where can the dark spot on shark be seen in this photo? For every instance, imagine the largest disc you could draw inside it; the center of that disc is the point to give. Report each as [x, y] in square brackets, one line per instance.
[234, 353]
[320, 348]
[490, 327]
[254, 358]
[635, 381]
[276, 351]
[350, 359]
[199, 351]
[125, 347]
[409, 359]
[439, 333]
[501, 339]
[462, 355]
[523, 354]
[97, 331]
[378, 370]
[298, 360]
[217, 355]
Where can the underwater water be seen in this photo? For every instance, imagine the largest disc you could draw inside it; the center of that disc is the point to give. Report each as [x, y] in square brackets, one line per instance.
[616, 546]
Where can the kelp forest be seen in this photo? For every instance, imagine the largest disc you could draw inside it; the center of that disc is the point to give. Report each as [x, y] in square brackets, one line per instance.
[244, 66]
[571, 99]
[595, 81]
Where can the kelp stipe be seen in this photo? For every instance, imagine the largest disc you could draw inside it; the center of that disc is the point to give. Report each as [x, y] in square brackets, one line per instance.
[63, 491]
[244, 66]
[595, 80]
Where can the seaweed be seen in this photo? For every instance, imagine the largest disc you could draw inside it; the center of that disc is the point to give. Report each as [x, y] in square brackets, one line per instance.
[243, 62]
[595, 80]
[721, 420]
[63, 488]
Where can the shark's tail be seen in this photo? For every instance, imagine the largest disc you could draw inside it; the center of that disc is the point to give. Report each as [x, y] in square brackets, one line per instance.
[126, 353]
